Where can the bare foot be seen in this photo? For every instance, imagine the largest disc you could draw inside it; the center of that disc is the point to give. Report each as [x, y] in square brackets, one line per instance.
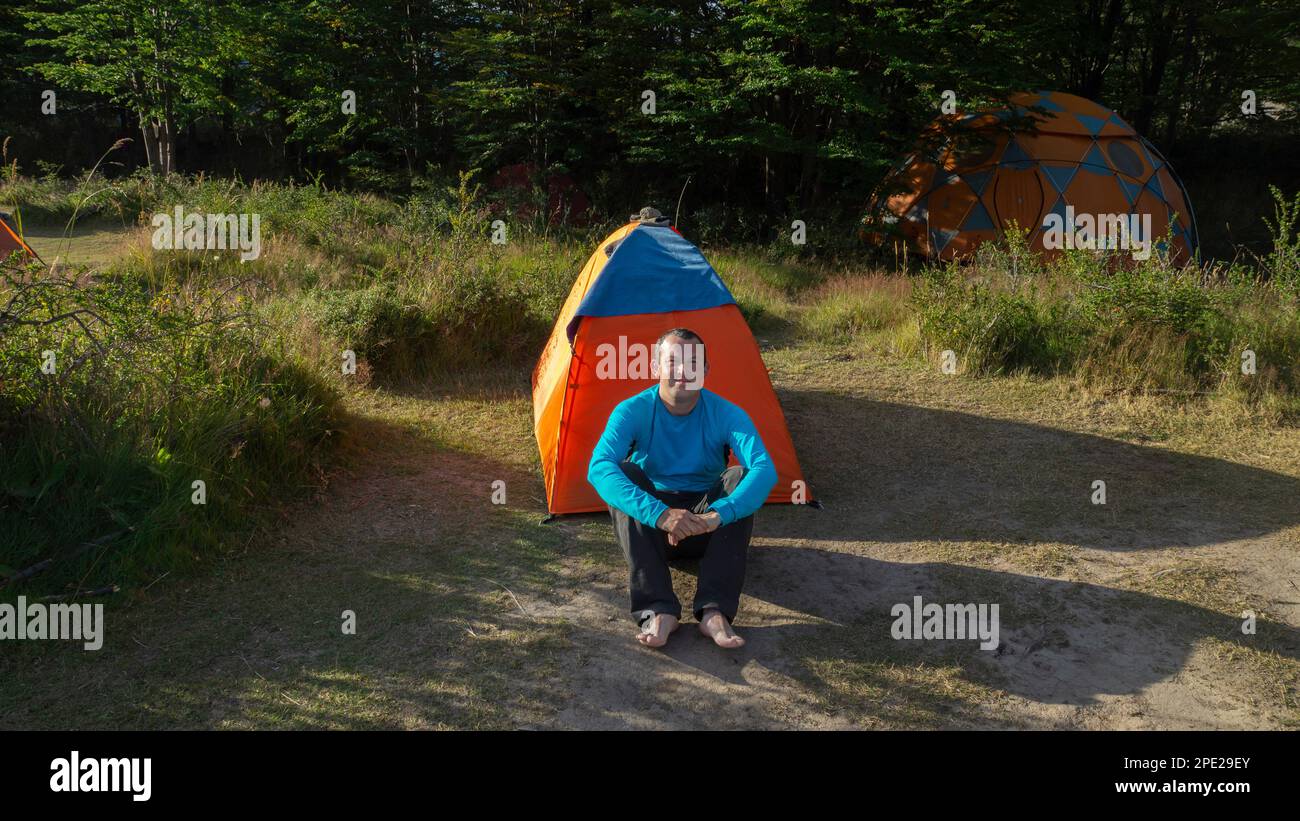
[715, 626]
[655, 633]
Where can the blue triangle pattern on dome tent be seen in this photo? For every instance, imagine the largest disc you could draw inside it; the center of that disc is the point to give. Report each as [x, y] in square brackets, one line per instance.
[920, 211]
[1131, 190]
[978, 219]
[977, 180]
[1059, 210]
[1093, 124]
[1015, 157]
[1045, 102]
[940, 237]
[1156, 187]
[1153, 156]
[1117, 120]
[1094, 162]
[1059, 175]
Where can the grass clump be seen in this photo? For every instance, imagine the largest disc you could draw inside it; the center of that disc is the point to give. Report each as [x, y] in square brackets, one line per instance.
[116, 399]
[1135, 326]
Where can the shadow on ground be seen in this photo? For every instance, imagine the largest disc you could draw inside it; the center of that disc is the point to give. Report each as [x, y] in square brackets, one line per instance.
[900, 473]
[818, 611]
[472, 615]
[824, 618]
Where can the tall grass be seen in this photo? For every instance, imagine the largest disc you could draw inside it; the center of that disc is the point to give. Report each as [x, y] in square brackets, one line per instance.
[118, 398]
[1150, 327]
[873, 307]
[1282, 264]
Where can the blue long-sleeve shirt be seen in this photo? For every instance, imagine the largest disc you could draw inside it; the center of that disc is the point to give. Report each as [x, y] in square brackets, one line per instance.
[684, 453]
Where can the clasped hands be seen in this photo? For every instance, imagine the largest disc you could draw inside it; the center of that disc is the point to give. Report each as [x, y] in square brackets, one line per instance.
[682, 524]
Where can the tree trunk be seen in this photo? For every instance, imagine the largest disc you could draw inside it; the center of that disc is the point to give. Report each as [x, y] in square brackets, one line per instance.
[1097, 47]
[150, 144]
[1160, 40]
[159, 145]
[1176, 107]
[167, 147]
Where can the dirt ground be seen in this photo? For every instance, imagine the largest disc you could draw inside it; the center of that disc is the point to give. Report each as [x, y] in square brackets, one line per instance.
[473, 615]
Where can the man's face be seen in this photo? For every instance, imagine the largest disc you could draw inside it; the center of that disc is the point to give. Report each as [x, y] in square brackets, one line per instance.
[681, 367]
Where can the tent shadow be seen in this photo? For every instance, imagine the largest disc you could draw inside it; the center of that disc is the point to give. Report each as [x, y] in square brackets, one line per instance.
[1061, 642]
[897, 473]
[824, 617]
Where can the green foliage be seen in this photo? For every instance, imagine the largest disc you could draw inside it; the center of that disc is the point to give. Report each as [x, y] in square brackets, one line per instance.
[1154, 296]
[848, 309]
[418, 327]
[1147, 326]
[152, 390]
[452, 301]
[773, 109]
[162, 62]
[991, 331]
[1282, 264]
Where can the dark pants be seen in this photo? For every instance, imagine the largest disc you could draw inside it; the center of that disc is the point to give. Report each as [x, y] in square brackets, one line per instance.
[721, 553]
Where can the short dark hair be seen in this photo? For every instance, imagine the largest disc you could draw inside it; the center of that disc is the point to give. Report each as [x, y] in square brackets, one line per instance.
[684, 333]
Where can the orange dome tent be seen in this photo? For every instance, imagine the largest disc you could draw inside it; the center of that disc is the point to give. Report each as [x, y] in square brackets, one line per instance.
[975, 175]
[644, 279]
[10, 242]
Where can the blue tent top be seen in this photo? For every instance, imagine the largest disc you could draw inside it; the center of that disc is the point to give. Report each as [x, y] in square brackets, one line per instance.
[653, 270]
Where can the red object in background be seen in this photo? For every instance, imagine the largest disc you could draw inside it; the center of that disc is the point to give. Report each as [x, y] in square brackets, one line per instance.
[566, 204]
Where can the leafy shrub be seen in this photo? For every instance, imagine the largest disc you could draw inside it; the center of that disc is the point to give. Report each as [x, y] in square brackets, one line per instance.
[151, 391]
[1282, 265]
[992, 331]
[426, 324]
[1167, 301]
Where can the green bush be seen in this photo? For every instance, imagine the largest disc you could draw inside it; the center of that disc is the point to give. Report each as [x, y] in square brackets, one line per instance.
[1282, 265]
[1269, 326]
[422, 324]
[993, 331]
[1161, 299]
[1146, 326]
[151, 391]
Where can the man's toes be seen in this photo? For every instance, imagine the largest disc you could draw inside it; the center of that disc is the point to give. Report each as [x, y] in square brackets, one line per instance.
[716, 627]
[726, 638]
[656, 632]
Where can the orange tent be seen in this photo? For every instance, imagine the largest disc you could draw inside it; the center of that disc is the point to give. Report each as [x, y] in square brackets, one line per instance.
[974, 174]
[644, 279]
[10, 242]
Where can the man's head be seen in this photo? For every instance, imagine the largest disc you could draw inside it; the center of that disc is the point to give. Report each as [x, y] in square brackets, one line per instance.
[679, 363]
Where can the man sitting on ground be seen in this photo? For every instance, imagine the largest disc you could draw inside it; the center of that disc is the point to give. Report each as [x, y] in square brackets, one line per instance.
[661, 466]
